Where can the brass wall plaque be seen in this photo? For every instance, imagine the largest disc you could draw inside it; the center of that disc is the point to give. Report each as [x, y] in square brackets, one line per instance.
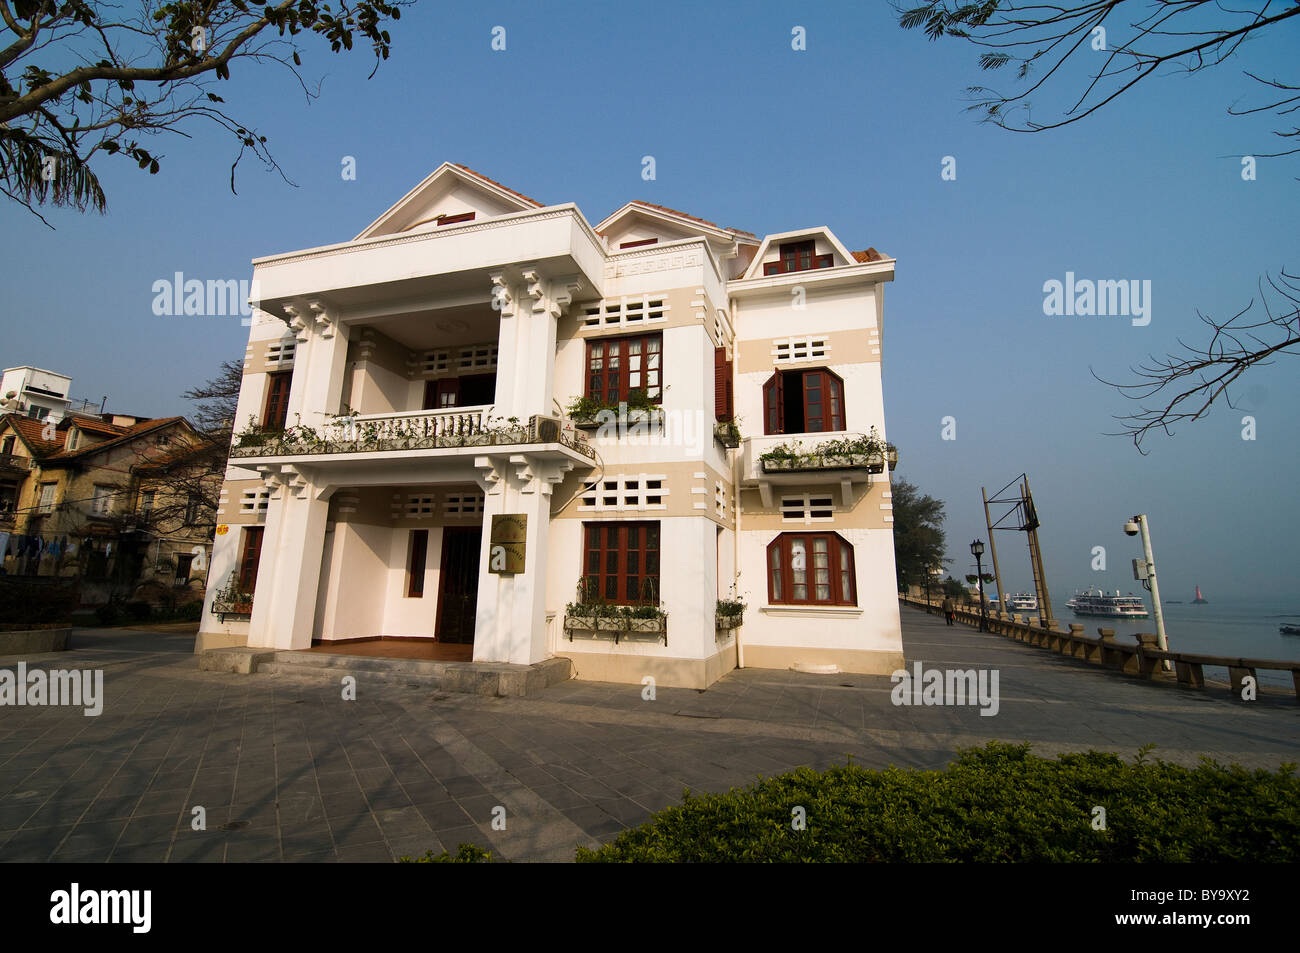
[508, 543]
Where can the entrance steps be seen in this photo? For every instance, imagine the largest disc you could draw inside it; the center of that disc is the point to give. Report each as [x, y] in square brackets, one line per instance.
[500, 679]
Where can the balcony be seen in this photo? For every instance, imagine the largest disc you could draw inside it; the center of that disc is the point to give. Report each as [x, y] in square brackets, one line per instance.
[843, 458]
[456, 429]
[11, 464]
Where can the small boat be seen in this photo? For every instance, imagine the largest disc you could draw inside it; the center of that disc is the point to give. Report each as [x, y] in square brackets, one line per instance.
[1287, 629]
[1096, 602]
[1199, 601]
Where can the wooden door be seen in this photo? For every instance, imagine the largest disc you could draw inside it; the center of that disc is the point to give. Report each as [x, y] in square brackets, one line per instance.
[458, 584]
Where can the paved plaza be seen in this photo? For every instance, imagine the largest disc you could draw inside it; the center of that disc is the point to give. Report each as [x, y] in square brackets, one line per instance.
[286, 770]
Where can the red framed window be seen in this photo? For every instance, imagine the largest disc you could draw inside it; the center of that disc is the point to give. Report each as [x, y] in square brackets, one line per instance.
[798, 256]
[250, 556]
[803, 402]
[811, 569]
[276, 411]
[621, 561]
[616, 366]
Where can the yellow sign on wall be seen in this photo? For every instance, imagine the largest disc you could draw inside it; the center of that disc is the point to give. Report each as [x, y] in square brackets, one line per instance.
[508, 543]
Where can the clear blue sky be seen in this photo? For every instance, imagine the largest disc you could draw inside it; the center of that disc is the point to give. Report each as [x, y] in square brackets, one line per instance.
[750, 133]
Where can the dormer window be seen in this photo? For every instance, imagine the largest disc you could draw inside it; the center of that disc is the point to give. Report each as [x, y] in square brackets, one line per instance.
[74, 436]
[798, 256]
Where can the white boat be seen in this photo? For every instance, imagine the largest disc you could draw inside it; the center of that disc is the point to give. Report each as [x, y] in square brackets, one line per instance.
[1022, 602]
[1097, 602]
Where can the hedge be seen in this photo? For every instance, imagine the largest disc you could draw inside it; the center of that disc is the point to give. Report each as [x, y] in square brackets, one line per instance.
[465, 854]
[998, 803]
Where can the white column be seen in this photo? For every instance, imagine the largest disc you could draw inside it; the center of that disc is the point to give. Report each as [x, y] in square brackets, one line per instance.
[511, 613]
[288, 573]
[530, 307]
[319, 363]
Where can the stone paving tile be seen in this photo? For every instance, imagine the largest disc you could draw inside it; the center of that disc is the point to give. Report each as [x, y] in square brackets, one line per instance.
[292, 774]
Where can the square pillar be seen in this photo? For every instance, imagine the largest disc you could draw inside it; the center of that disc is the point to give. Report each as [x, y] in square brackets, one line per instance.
[511, 609]
[288, 574]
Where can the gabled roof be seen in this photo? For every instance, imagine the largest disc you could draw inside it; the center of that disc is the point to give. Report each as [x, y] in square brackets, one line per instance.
[126, 436]
[94, 425]
[185, 453]
[438, 179]
[29, 431]
[682, 218]
[755, 269]
[494, 182]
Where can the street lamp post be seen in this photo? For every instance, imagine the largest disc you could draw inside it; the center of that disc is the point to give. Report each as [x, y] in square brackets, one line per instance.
[1140, 524]
[977, 550]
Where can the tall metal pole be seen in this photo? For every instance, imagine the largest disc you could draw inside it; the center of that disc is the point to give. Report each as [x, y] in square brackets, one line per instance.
[993, 551]
[1161, 639]
[1036, 558]
[979, 576]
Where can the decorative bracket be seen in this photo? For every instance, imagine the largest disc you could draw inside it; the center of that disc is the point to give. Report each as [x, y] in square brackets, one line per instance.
[489, 477]
[325, 322]
[501, 298]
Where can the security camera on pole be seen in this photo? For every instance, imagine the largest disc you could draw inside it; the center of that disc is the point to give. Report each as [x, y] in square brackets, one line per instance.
[1145, 572]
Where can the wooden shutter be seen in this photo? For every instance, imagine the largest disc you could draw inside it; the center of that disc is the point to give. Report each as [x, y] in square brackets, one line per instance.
[250, 557]
[276, 411]
[774, 405]
[723, 399]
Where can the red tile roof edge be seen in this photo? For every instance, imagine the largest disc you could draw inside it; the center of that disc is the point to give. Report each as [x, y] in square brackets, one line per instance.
[138, 430]
[694, 218]
[869, 255]
[480, 175]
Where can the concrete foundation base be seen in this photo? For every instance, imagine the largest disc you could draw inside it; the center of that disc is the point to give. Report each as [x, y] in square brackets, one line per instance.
[32, 641]
[668, 672]
[849, 661]
[473, 678]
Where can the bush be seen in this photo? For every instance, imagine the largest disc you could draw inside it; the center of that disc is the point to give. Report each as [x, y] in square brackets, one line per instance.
[138, 611]
[27, 602]
[189, 612]
[110, 613]
[466, 854]
[998, 803]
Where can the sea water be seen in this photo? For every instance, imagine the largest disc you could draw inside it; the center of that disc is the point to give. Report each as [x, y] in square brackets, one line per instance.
[1241, 628]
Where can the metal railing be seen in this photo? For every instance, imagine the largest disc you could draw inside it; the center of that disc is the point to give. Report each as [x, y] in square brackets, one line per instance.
[1143, 658]
[411, 430]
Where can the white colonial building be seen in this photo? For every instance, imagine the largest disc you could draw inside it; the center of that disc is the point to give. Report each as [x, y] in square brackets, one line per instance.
[485, 422]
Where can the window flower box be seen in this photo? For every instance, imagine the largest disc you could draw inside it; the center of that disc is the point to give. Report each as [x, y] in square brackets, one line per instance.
[655, 624]
[863, 452]
[725, 623]
[610, 416]
[582, 623]
[727, 433]
[620, 620]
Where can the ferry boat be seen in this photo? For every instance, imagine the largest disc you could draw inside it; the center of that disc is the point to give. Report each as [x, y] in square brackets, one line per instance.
[1096, 602]
[1022, 602]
